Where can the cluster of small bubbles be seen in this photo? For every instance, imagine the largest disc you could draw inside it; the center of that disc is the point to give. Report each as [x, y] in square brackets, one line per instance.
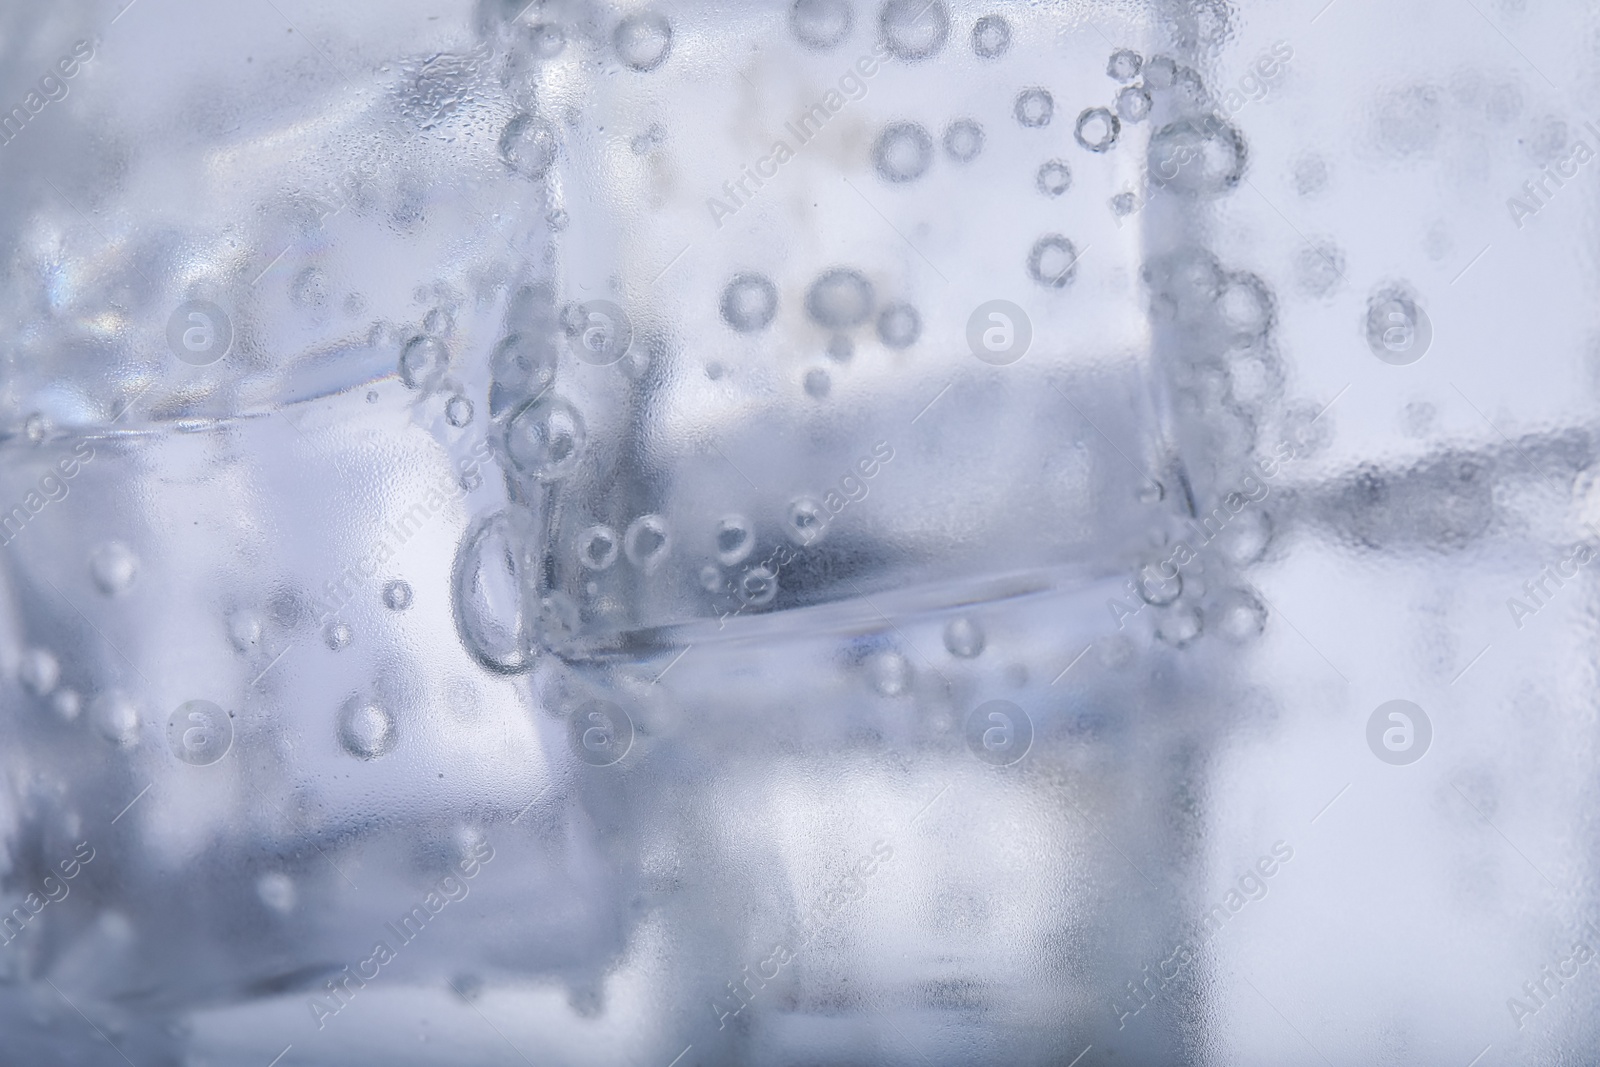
[244, 629]
[1054, 178]
[36, 428]
[647, 542]
[528, 145]
[808, 521]
[817, 383]
[397, 594]
[545, 438]
[749, 302]
[735, 540]
[1097, 129]
[337, 635]
[643, 41]
[1034, 108]
[116, 718]
[1187, 158]
[758, 586]
[902, 152]
[1239, 616]
[113, 567]
[1133, 103]
[839, 299]
[914, 29]
[423, 361]
[1124, 64]
[67, 704]
[39, 671]
[991, 37]
[821, 24]
[840, 348]
[1053, 261]
[1179, 626]
[367, 730]
[598, 548]
[546, 39]
[889, 672]
[458, 411]
[963, 140]
[276, 891]
[963, 638]
[1245, 305]
[899, 325]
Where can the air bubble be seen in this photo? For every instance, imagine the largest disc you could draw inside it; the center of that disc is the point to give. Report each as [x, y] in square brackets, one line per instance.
[1124, 204]
[1133, 103]
[1239, 616]
[36, 428]
[963, 638]
[1246, 306]
[963, 140]
[821, 24]
[487, 589]
[712, 581]
[890, 673]
[423, 361]
[559, 621]
[39, 671]
[1207, 162]
[598, 548]
[439, 322]
[840, 348]
[1053, 261]
[817, 384]
[67, 704]
[643, 41]
[397, 595]
[899, 326]
[1180, 626]
[1097, 129]
[749, 302]
[244, 629]
[839, 299]
[545, 438]
[458, 411]
[116, 718]
[1246, 537]
[991, 37]
[914, 29]
[546, 39]
[758, 586]
[807, 520]
[520, 361]
[647, 542]
[902, 152]
[1155, 588]
[736, 539]
[366, 729]
[1054, 178]
[528, 145]
[1160, 72]
[1124, 64]
[276, 891]
[113, 567]
[337, 635]
[1034, 108]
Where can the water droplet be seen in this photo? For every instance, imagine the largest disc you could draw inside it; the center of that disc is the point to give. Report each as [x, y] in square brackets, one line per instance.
[758, 586]
[749, 302]
[366, 729]
[643, 41]
[1124, 64]
[338, 635]
[116, 718]
[36, 428]
[647, 542]
[397, 595]
[991, 37]
[276, 891]
[818, 383]
[1133, 103]
[903, 152]
[458, 411]
[113, 567]
[423, 361]
[1201, 162]
[1179, 626]
[1053, 261]
[899, 325]
[244, 629]
[821, 24]
[1239, 616]
[890, 673]
[808, 521]
[914, 29]
[963, 637]
[736, 539]
[963, 140]
[1054, 178]
[529, 145]
[839, 299]
[488, 584]
[67, 704]
[1034, 108]
[598, 548]
[1097, 129]
[39, 671]
[545, 438]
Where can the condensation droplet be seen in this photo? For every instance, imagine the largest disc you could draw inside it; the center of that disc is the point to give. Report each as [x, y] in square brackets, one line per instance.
[366, 729]
[839, 299]
[890, 673]
[643, 41]
[749, 302]
[647, 542]
[914, 29]
[113, 567]
[423, 361]
[458, 411]
[991, 37]
[545, 438]
[39, 671]
[1034, 108]
[397, 595]
[963, 140]
[963, 637]
[902, 152]
[821, 24]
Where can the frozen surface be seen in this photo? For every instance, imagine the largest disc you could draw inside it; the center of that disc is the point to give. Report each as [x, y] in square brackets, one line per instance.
[827, 532]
